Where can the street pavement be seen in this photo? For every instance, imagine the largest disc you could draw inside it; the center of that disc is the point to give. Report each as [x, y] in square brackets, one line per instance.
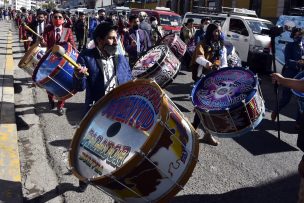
[256, 167]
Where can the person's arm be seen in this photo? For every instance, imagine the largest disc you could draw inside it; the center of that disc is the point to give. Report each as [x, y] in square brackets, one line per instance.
[200, 57]
[295, 84]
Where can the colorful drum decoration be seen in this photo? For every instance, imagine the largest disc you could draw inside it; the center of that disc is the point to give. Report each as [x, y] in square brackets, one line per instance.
[229, 102]
[176, 44]
[158, 64]
[299, 95]
[55, 74]
[135, 145]
[31, 58]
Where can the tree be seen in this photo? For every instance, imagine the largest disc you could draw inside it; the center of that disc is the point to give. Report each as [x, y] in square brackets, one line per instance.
[49, 5]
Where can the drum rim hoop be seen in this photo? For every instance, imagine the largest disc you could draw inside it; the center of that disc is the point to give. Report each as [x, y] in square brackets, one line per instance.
[136, 159]
[249, 97]
[30, 53]
[154, 68]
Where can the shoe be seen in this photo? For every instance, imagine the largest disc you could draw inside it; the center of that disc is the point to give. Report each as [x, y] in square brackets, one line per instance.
[60, 111]
[273, 116]
[208, 139]
[51, 105]
[82, 186]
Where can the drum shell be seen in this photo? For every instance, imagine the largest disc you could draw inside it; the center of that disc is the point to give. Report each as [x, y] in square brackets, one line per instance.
[31, 58]
[153, 149]
[234, 122]
[238, 118]
[167, 70]
[176, 44]
[60, 81]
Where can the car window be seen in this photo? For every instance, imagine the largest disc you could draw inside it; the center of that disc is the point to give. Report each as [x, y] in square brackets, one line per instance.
[170, 20]
[257, 26]
[237, 26]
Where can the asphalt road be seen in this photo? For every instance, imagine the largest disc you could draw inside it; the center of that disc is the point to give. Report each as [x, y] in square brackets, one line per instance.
[256, 167]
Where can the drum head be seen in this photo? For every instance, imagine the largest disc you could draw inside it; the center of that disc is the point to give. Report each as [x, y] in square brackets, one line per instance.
[28, 56]
[299, 76]
[224, 89]
[49, 63]
[149, 62]
[115, 129]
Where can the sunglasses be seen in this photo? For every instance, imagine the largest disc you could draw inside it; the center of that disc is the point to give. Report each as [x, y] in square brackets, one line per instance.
[57, 17]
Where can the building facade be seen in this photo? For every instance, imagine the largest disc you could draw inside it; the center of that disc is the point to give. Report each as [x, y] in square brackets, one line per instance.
[17, 4]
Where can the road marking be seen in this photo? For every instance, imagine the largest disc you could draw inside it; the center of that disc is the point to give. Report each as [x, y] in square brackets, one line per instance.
[9, 153]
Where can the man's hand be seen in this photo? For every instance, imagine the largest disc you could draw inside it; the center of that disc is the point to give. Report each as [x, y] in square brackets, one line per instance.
[79, 73]
[277, 77]
[133, 43]
[301, 168]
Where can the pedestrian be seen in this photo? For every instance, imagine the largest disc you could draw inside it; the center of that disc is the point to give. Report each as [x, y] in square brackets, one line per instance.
[136, 40]
[81, 31]
[209, 55]
[297, 85]
[38, 25]
[200, 33]
[57, 34]
[106, 70]
[1, 14]
[156, 33]
[96, 21]
[294, 52]
[144, 25]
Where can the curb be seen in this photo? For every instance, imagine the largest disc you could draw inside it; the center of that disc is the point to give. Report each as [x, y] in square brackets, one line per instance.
[10, 175]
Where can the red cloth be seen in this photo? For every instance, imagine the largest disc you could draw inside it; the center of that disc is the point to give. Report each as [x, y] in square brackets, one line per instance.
[50, 39]
[60, 103]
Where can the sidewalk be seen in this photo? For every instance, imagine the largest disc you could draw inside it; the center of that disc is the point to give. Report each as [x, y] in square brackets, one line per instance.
[10, 177]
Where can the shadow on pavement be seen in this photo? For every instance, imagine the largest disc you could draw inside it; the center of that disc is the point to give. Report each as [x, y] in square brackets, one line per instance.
[61, 143]
[10, 191]
[285, 126]
[262, 142]
[59, 190]
[21, 124]
[179, 88]
[279, 191]
[74, 112]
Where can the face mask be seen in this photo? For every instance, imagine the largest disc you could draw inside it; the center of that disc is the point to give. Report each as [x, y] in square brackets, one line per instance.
[110, 49]
[297, 39]
[58, 22]
[135, 27]
[40, 21]
[101, 17]
[154, 24]
[205, 28]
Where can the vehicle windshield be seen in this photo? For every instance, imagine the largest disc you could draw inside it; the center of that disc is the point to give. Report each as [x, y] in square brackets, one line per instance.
[257, 26]
[170, 20]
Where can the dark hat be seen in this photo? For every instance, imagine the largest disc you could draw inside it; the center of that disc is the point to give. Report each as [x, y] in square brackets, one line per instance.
[102, 30]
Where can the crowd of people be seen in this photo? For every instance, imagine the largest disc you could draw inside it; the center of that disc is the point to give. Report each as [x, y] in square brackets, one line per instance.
[101, 37]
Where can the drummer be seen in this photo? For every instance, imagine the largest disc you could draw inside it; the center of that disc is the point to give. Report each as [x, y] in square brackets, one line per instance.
[209, 55]
[38, 26]
[106, 70]
[56, 34]
[297, 85]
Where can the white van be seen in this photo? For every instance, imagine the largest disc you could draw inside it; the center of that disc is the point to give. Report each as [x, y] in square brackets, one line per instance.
[244, 33]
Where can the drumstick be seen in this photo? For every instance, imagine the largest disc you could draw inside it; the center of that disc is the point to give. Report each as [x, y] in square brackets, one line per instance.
[25, 40]
[60, 51]
[32, 31]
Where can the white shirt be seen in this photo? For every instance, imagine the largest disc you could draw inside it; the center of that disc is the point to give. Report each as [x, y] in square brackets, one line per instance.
[60, 27]
[109, 76]
[42, 28]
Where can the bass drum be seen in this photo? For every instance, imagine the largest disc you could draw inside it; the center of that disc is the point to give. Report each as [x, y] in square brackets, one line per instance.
[55, 74]
[299, 95]
[135, 145]
[176, 44]
[158, 64]
[31, 58]
[229, 102]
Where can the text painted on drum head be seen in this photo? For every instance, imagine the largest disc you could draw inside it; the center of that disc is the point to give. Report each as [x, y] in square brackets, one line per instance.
[136, 107]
